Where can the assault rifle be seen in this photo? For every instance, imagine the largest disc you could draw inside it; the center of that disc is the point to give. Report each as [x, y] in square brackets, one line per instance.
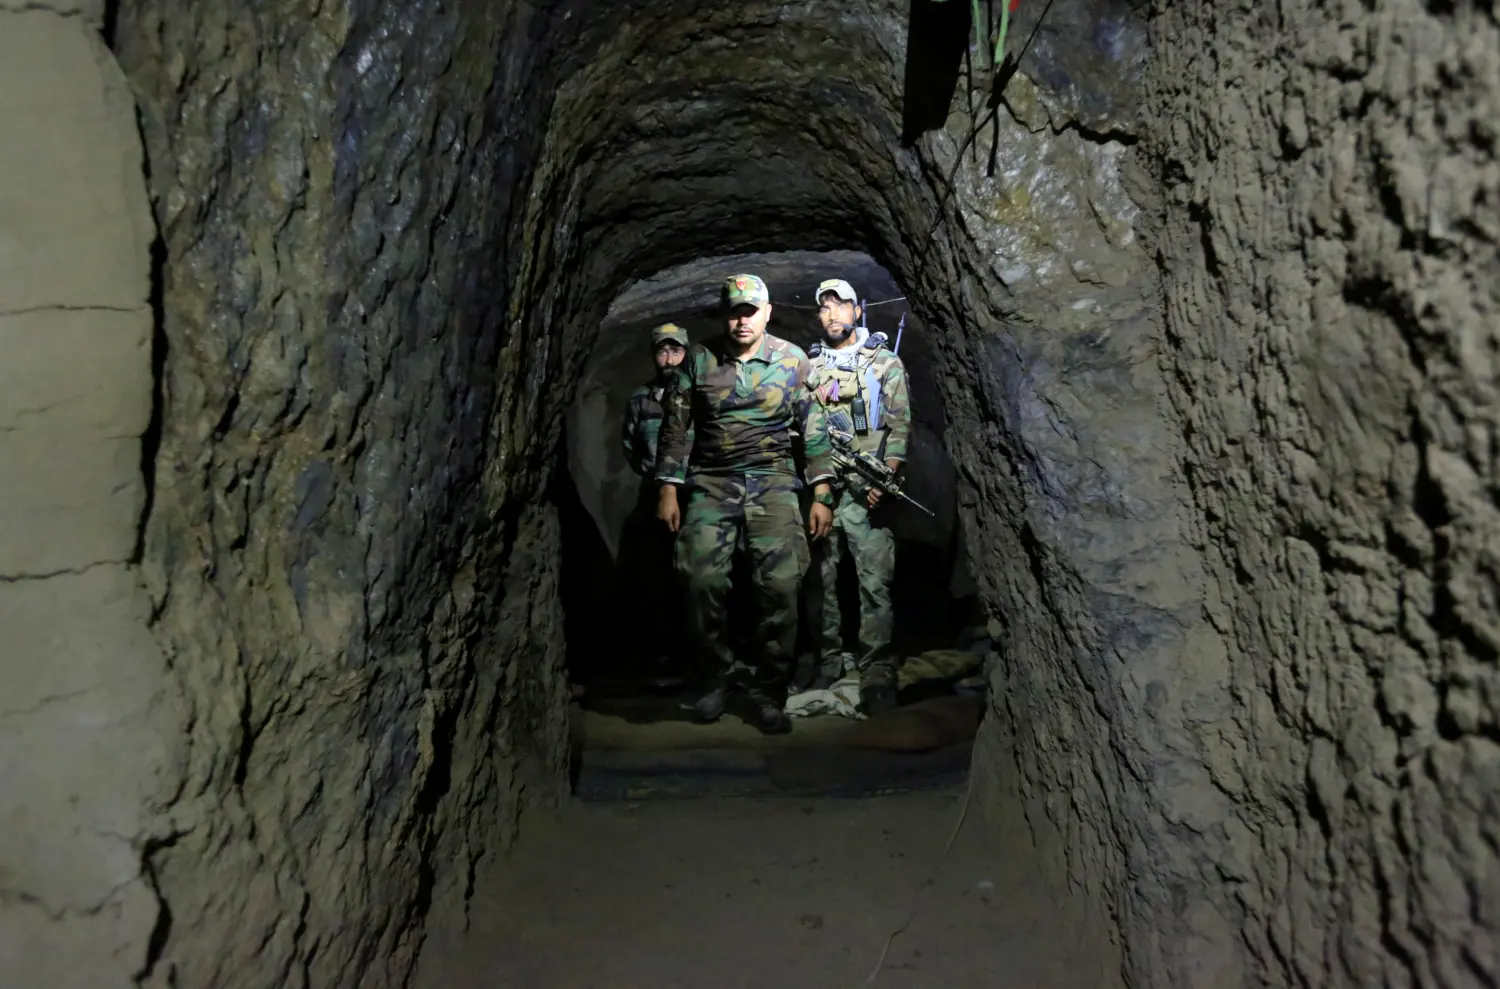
[876, 473]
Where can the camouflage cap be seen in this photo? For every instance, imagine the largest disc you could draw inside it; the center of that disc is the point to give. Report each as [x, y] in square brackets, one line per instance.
[741, 290]
[666, 332]
[838, 287]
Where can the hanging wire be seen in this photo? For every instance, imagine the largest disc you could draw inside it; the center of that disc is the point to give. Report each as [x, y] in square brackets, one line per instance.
[868, 305]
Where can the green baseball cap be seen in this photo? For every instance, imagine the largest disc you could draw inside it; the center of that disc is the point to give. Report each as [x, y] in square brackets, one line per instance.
[743, 290]
[666, 332]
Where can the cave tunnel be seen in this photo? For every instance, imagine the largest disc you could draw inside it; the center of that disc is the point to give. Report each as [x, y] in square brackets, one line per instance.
[296, 299]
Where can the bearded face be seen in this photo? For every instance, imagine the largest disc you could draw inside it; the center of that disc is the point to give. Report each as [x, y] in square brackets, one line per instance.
[838, 318]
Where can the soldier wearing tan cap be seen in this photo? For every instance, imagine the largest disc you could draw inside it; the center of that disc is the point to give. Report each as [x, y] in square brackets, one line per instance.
[862, 386]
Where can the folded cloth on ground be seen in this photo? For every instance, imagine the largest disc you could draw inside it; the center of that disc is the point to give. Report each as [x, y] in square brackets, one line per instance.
[841, 698]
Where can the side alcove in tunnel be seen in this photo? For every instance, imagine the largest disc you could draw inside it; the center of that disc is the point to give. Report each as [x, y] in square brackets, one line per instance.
[1212, 322]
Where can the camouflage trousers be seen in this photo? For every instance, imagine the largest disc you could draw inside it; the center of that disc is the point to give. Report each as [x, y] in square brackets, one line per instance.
[763, 510]
[873, 549]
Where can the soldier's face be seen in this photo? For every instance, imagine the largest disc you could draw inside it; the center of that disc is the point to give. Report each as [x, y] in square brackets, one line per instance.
[747, 323]
[837, 316]
[669, 354]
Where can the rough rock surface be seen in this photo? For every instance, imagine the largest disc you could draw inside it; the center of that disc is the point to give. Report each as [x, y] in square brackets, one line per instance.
[1240, 553]
[352, 569]
[1331, 252]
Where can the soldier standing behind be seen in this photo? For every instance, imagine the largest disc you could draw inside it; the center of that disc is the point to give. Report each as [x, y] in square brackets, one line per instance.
[669, 343]
[645, 560]
[862, 387]
[744, 395]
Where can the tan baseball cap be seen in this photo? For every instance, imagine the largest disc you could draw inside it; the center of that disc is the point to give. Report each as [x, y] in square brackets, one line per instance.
[838, 287]
[741, 290]
[668, 331]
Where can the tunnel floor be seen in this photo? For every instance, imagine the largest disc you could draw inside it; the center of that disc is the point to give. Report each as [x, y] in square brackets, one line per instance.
[784, 893]
[643, 749]
[645, 722]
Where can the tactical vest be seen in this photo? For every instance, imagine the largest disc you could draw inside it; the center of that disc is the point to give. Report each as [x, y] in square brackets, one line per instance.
[648, 427]
[839, 386]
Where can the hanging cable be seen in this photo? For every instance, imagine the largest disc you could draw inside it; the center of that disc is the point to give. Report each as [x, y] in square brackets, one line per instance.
[868, 305]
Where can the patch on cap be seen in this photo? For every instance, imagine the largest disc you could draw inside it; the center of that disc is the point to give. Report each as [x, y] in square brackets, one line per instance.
[666, 332]
[742, 290]
[838, 287]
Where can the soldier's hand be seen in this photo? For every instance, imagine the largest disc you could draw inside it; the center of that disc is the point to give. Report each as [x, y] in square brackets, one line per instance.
[819, 520]
[873, 498]
[667, 509]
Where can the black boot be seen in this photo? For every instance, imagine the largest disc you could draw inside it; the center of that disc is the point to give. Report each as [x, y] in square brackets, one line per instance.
[772, 719]
[710, 707]
[876, 698]
[805, 673]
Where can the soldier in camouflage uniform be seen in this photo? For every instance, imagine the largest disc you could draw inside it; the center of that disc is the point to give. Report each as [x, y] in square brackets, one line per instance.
[669, 343]
[862, 387]
[745, 395]
[645, 559]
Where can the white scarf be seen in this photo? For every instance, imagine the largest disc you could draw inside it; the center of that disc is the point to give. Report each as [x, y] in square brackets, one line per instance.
[847, 359]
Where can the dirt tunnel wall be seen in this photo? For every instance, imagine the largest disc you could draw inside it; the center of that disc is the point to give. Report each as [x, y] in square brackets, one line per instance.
[1247, 597]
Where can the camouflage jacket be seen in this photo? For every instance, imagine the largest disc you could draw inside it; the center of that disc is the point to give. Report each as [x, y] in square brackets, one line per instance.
[877, 376]
[728, 416]
[642, 426]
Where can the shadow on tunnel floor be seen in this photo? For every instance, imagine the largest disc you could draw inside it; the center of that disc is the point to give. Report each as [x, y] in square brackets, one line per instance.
[610, 775]
[926, 744]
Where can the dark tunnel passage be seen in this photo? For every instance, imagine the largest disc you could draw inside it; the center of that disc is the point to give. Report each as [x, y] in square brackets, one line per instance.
[602, 569]
[1207, 297]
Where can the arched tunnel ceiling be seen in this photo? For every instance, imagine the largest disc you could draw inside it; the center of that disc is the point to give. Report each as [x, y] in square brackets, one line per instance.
[691, 133]
[696, 288]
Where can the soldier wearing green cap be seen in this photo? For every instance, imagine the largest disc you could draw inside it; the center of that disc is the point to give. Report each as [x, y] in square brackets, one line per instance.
[746, 396]
[645, 546]
[862, 387]
[669, 343]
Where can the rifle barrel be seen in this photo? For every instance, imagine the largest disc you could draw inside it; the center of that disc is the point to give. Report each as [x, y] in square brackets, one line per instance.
[914, 503]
